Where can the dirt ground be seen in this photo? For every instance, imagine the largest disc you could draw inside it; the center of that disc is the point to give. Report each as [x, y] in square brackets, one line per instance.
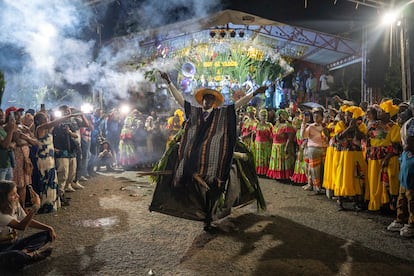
[108, 230]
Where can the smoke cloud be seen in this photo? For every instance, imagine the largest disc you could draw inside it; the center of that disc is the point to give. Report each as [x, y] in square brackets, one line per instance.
[56, 44]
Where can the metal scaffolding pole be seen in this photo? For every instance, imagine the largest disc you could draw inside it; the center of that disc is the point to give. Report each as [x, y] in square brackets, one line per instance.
[364, 54]
[407, 57]
[403, 72]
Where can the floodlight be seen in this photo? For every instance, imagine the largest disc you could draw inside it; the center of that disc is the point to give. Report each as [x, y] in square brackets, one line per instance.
[86, 108]
[125, 109]
[389, 18]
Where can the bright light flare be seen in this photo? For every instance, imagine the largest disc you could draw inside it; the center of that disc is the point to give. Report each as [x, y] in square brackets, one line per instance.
[389, 18]
[47, 30]
[58, 114]
[86, 108]
[125, 109]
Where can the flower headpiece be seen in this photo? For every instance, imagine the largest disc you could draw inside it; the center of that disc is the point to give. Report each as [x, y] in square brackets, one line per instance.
[356, 111]
[389, 107]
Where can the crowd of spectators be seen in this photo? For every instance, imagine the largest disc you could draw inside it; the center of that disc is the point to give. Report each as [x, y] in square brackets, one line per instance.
[45, 155]
[358, 155]
[56, 152]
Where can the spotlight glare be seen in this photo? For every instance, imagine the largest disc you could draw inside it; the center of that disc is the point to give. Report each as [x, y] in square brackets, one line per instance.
[389, 18]
[125, 109]
[58, 114]
[86, 108]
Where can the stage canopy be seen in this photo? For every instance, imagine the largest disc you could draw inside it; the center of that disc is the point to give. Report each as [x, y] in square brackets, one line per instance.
[234, 27]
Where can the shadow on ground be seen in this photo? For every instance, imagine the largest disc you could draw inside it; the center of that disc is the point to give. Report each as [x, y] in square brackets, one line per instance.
[277, 246]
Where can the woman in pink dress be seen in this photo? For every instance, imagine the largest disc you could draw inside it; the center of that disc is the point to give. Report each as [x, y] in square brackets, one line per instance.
[282, 158]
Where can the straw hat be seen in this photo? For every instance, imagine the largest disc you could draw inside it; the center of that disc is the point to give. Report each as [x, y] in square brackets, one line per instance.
[199, 94]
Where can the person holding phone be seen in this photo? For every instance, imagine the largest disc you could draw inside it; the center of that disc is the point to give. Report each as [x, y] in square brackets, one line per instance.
[15, 253]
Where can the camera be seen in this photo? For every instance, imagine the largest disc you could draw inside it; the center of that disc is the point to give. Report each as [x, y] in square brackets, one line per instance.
[65, 124]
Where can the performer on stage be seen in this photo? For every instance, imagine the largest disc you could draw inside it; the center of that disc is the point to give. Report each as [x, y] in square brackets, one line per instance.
[201, 166]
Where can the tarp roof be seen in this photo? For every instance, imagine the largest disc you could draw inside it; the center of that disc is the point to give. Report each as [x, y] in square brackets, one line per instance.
[295, 42]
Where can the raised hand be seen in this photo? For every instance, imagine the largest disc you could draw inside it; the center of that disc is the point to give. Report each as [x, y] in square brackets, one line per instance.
[34, 196]
[11, 125]
[260, 90]
[165, 76]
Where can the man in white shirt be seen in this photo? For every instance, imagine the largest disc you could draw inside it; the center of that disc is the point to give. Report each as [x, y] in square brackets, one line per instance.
[325, 80]
[311, 86]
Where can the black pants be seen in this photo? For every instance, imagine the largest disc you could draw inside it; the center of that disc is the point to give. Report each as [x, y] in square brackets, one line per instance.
[13, 258]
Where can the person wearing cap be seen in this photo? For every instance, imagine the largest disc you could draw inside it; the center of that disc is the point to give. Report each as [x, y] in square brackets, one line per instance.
[205, 154]
[351, 170]
[66, 148]
[384, 147]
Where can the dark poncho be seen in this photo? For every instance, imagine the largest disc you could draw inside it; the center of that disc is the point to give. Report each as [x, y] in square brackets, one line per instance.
[206, 148]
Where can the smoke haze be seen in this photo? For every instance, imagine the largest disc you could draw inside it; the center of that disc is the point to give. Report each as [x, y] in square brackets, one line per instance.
[56, 43]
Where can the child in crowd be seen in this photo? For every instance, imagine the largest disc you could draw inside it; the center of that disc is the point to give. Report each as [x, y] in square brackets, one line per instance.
[405, 202]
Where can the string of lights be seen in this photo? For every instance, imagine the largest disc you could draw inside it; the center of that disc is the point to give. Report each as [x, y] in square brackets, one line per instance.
[226, 33]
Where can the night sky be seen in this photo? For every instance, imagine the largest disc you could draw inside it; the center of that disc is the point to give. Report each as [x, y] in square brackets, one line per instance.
[320, 15]
[342, 18]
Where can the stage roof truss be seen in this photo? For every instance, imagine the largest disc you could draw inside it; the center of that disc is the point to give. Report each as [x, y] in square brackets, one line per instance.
[291, 41]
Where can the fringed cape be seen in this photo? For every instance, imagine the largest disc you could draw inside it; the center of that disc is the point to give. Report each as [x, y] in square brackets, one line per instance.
[206, 149]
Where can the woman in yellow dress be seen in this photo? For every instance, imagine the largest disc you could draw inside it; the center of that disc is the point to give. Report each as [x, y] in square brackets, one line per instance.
[351, 171]
[331, 156]
[383, 149]
[249, 127]
[174, 124]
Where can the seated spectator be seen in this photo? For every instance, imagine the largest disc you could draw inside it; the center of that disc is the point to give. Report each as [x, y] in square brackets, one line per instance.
[105, 157]
[16, 253]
